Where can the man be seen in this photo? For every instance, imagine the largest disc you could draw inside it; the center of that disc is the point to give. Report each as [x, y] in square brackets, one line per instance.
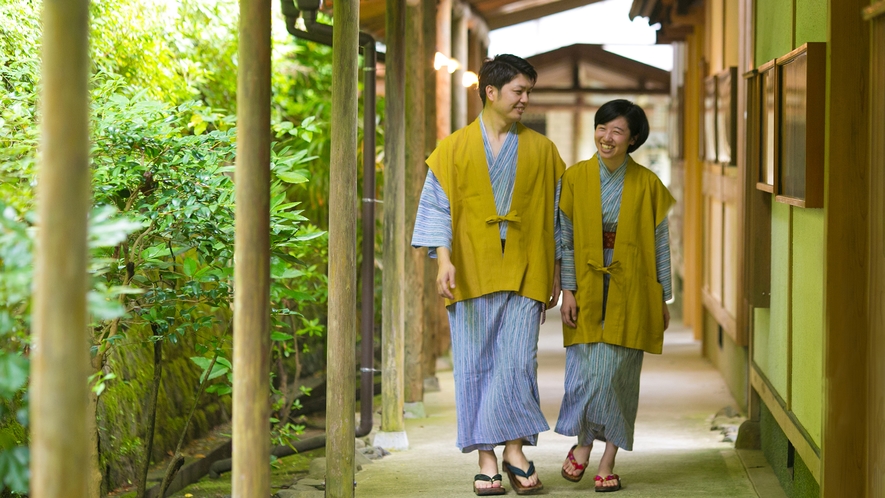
[488, 214]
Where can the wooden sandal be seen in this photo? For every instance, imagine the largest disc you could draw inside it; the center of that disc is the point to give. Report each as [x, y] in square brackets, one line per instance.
[576, 465]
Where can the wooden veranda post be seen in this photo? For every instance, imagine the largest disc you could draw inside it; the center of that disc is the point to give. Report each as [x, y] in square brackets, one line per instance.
[251, 407]
[60, 361]
[461, 14]
[443, 78]
[432, 302]
[416, 171]
[392, 434]
[341, 353]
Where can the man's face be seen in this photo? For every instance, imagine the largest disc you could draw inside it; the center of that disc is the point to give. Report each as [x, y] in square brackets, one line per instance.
[511, 100]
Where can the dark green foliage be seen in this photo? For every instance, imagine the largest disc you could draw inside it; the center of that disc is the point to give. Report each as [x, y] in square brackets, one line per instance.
[163, 130]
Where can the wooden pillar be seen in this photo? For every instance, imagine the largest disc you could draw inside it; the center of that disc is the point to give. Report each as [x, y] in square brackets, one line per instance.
[876, 376]
[693, 312]
[415, 172]
[59, 390]
[341, 353]
[443, 78]
[461, 14]
[251, 408]
[846, 326]
[392, 315]
[476, 43]
[431, 300]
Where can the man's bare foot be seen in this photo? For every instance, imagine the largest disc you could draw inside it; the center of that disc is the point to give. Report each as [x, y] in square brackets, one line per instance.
[514, 456]
[488, 465]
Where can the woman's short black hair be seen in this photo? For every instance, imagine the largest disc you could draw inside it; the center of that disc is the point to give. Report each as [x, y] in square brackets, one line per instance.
[634, 115]
[501, 70]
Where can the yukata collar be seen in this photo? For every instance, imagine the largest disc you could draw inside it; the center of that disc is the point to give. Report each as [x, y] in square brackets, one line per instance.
[609, 174]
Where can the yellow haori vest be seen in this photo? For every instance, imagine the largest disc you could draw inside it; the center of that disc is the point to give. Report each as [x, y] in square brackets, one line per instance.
[634, 311]
[526, 264]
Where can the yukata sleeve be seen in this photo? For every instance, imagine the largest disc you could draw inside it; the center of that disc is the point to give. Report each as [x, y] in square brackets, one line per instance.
[433, 223]
[662, 258]
[568, 281]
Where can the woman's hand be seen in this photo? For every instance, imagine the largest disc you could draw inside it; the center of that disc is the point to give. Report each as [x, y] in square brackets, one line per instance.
[557, 288]
[445, 277]
[569, 308]
[666, 316]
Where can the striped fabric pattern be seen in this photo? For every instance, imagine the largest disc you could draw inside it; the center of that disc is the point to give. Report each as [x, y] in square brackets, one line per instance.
[494, 352]
[601, 393]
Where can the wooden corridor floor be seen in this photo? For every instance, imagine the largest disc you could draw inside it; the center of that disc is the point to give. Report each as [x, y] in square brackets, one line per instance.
[675, 452]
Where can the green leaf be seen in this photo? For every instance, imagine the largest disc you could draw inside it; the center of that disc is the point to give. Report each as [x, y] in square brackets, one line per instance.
[279, 336]
[190, 267]
[13, 374]
[294, 177]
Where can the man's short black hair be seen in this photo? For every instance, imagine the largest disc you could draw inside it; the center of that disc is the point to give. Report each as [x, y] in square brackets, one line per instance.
[634, 115]
[502, 69]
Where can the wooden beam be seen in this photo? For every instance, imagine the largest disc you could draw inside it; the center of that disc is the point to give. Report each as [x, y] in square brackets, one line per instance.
[415, 173]
[251, 409]
[502, 19]
[341, 353]
[60, 362]
[392, 315]
[846, 326]
[693, 196]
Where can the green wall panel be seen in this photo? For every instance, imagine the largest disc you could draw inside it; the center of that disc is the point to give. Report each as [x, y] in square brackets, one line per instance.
[808, 303]
[811, 21]
[774, 29]
[771, 352]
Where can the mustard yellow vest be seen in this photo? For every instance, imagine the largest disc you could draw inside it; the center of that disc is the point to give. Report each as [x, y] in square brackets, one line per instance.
[526, 264]
[634, 311]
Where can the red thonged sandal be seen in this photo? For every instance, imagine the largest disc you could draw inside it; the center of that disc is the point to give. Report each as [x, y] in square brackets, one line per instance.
[607, 489]
[576, 465]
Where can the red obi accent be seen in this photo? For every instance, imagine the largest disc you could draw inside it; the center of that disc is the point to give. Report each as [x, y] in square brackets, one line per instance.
[608, 240]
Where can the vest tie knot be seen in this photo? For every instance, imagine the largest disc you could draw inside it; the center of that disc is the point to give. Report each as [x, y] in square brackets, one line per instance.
[608, 270]
[511, 216]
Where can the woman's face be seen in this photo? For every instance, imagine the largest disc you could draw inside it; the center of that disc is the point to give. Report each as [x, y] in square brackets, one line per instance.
[613, 139]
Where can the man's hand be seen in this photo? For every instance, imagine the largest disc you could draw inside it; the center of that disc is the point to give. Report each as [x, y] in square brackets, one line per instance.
[445, 277]
[666, 316]
[569, 309]
[557, 287]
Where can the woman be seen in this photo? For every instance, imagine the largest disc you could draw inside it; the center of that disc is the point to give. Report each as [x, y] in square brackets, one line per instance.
[615, 281]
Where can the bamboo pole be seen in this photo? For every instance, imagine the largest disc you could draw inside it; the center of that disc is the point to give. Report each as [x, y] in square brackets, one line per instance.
[443, 78]
[459, 53]
[392, 315]
[251, 408]
[341, 354]
[59, 390]
[415, 172]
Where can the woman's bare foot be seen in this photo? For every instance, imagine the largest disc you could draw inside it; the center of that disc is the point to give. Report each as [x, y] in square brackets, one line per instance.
[607, 468]
[581, 455]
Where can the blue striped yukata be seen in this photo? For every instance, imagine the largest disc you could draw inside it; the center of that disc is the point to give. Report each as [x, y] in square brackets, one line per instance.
[495, 336]
[602, 380]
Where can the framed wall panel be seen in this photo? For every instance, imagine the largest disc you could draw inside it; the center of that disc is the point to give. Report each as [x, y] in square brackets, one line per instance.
[802, 92]
[709, 121]
[726, 116]
[768, 133]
